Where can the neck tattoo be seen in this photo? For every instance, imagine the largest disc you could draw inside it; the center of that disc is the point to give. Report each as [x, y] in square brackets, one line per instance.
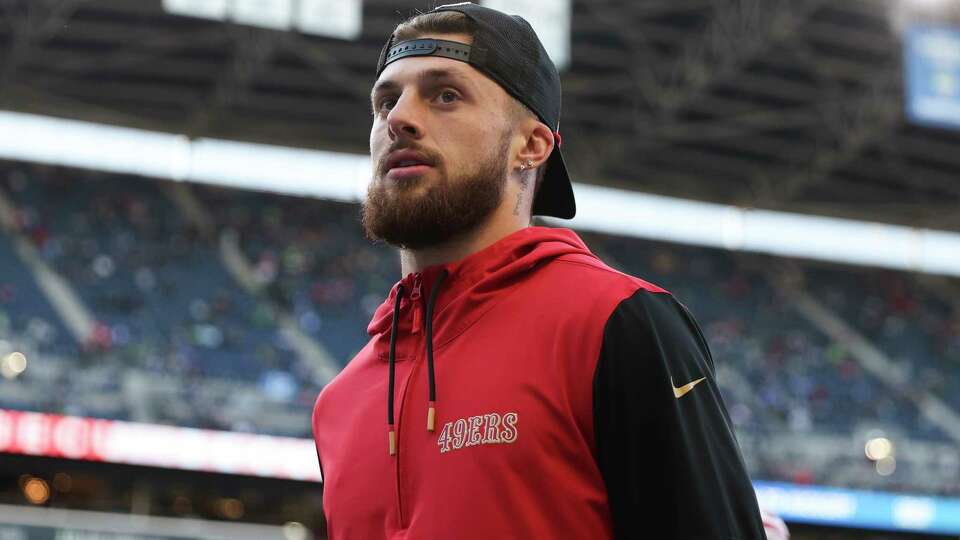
[524, 181]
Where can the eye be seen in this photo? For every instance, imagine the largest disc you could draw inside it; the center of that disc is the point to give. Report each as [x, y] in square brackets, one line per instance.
[384, 104]
[387, 103]
[448, 96]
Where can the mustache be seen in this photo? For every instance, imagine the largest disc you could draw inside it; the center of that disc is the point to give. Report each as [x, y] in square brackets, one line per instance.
[431, 156]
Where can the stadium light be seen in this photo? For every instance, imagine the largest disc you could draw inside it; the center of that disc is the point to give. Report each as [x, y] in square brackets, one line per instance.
[886, 466]
[878, 448]
[294, 530]
[343, 177]
[13, 365]
[36, 491]
[62, 482]
[230, 508]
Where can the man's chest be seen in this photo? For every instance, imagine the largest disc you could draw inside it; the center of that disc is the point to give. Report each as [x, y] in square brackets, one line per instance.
[510, 415]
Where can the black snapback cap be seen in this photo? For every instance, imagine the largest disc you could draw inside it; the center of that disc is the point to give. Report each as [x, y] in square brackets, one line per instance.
[506, 49]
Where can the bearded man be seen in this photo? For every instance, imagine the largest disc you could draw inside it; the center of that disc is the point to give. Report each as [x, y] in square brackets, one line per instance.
[514, 386]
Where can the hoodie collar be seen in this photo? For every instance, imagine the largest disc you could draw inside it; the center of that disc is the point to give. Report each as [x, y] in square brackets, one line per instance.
[473, 283]
[476, 283]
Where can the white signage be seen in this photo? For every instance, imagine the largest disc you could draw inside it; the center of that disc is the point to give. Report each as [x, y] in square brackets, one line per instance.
[334, 18]
[341, 19]
[275, 14]
[205, 9]
[550, 19]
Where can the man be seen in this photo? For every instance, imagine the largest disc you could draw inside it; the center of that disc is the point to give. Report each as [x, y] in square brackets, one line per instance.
[529, 390]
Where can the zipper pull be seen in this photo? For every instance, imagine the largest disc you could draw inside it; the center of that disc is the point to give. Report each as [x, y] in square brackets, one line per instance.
[417, 307]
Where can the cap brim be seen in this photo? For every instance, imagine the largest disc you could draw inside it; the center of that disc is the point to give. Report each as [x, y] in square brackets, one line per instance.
[555, 197]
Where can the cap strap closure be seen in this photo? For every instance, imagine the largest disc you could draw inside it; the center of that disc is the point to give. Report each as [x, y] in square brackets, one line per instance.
[428, 47]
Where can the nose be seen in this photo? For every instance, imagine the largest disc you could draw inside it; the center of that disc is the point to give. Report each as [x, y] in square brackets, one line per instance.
[404, 120]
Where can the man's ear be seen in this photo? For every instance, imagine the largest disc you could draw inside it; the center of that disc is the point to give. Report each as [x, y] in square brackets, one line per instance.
[537, 146]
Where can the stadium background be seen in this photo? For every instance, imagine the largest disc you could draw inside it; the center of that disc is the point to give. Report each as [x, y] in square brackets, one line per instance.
[174, 293]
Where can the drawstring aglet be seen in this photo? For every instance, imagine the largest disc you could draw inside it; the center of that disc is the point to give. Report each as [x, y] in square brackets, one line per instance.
[393, 442]
[431, 416]
[431, 378]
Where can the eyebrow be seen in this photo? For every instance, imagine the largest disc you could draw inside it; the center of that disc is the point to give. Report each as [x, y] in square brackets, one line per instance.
[429, 76]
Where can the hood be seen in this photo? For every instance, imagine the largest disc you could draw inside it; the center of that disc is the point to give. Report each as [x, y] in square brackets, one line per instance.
[472, 284]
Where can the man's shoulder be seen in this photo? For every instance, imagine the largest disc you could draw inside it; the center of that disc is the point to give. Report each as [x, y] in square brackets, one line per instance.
[582, 287]
[597, 277]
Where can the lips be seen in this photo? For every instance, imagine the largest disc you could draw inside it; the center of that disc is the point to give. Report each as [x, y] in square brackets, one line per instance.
[402, 163]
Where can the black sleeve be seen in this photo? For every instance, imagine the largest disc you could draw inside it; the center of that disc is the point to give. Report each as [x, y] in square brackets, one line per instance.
[670, 463]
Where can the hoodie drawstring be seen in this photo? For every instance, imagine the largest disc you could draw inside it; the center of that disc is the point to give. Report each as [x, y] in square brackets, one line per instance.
[393, 369]
[432, 403]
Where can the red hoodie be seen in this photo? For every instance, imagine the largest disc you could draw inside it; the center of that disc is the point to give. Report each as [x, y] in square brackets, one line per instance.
[519, 335]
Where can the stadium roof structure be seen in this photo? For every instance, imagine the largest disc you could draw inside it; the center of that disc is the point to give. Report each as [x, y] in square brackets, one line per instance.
[779, 104]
